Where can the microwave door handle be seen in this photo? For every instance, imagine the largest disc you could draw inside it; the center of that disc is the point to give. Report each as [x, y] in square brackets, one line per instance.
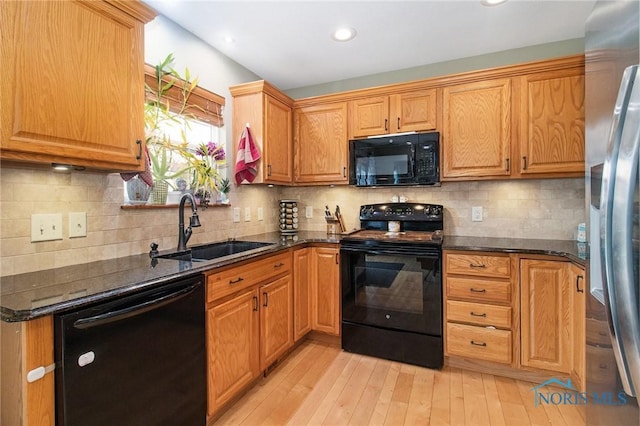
[615, 290]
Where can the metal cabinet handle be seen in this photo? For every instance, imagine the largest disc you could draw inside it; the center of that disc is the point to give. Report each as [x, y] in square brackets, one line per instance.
[386, 124]
[508, 165]
[483, 344]
[473, 290]
[524, 162]
[578, 278]
[139, 143]
[471, 265]
[337, 259]
[473, 314]
[255, 303]
[236, 281]
[266, 299]
[268, 169]
[278, 265]
[398, 123]
[344, 171]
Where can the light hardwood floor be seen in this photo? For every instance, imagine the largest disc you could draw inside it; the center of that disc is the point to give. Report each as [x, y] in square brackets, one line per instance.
[319, 384]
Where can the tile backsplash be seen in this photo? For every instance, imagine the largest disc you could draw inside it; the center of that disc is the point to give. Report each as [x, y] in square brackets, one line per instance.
[547, 209]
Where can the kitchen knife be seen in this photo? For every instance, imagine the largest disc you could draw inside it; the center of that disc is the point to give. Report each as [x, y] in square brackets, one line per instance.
[339, 217]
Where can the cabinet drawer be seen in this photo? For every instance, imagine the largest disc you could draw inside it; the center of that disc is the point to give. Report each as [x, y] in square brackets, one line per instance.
[601, 368]
[478, 290]
[598, 332]
[478, 264]
[231, 280]
[479, 343]
[478, 313]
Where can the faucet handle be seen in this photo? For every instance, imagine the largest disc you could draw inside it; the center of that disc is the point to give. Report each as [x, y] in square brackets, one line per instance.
[154, 249]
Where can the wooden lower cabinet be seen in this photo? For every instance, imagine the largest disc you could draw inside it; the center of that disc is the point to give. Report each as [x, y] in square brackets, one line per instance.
[249, 324]
[302, 278]
[276, 320]
[233, 347]
[25, 346]
[326, 290]
[546, 315]
[515, 314]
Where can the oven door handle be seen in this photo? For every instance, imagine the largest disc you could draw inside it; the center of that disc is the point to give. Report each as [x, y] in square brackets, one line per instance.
[431, 254]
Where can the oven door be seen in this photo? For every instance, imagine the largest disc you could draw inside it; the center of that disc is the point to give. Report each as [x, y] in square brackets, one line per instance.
[394, 287]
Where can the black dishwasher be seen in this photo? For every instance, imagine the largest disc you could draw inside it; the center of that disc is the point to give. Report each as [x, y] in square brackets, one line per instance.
[135, 360]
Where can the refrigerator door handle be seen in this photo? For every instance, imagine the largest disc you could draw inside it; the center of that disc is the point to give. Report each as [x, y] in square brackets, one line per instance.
[616, 251]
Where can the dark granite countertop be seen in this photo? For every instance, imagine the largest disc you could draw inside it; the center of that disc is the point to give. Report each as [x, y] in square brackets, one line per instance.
[35, 294]
[572, 250]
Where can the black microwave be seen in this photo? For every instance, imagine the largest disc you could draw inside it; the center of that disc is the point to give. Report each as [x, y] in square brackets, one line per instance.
[407, 159]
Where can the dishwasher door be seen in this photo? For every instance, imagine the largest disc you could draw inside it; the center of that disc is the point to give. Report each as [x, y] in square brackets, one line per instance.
[136, 360]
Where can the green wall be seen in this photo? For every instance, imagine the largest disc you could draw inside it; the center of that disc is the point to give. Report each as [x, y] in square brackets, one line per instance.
[507, 57]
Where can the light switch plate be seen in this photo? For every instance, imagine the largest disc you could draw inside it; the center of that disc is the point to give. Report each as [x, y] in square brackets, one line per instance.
[476, 214]
[46, 227]
[77, 224]
[236, 214]
[260, 213]
[247, 214]
[308, 212]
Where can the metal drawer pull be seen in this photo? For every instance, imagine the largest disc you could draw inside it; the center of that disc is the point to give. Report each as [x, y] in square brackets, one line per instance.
[266, 299]
[473, 314]
[483, 344]
[255, 303]
[473, 290]
[471, 265]
[578, 278]
[278, 265]
[236, 281]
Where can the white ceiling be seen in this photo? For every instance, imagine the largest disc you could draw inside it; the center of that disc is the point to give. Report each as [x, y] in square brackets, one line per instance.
[289, 43]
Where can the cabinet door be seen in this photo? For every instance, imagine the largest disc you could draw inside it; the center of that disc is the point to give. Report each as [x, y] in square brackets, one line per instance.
[326, 290]
[552, 123]
[546, 315]
[369, 116]
[476, 137]
[413, 111]
[278, 152]
[232, 346]
[577, 279]
[301, 292]
[320, 144]
[80, 100]
[276, 320]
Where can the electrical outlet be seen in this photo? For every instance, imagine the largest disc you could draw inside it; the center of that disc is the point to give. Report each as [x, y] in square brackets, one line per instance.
[236, 214]
[260, 213]
[476, 214]
[77, 224]
[46, 227]
[247, 214]
[308, 212]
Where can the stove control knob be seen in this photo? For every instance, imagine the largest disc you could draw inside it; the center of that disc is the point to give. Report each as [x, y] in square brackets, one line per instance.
[437, 211]
[408, 211]
[427, 210]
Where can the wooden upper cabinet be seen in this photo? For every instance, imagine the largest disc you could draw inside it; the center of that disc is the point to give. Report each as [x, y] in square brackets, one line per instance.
[547, 314]
[552, 123]
[321, 144]
[476, 136]
[402, 112]
[80, 99]
[269, 115]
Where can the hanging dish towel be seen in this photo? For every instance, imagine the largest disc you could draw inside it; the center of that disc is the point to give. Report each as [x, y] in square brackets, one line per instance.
[247, 158]
[145, 175]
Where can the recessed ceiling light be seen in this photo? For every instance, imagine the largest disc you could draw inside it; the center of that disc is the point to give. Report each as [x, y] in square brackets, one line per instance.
[491, 2]
[343, 34]
[228, 39]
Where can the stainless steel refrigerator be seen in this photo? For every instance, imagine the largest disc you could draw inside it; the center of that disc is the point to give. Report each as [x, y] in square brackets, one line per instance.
[612, 81]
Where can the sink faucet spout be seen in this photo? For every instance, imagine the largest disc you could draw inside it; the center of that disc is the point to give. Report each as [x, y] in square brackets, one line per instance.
[184, 235]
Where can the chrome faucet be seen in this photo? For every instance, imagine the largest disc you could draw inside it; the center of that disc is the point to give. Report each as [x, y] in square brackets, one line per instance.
[194, 221]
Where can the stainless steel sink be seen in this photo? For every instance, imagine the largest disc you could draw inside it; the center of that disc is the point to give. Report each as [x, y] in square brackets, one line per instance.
[215, 250]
